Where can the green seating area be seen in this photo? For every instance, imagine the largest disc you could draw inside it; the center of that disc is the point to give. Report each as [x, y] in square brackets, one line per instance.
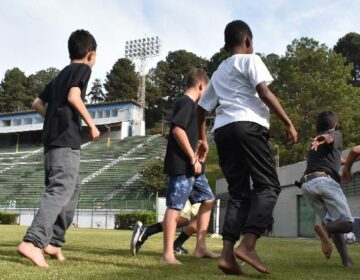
[109, 175]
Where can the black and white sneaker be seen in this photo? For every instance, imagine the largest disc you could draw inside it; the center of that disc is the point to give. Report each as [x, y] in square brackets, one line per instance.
[180, 251]
[138, 238]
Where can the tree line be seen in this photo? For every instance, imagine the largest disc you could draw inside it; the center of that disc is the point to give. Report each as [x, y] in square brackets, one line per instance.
[309, 77]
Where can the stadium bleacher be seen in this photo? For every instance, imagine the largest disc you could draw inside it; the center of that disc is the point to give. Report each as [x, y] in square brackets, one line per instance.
[109, 175]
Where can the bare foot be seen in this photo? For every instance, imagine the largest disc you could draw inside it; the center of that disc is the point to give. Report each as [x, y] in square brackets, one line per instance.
[230, 266]
[172, 261]
[33, 253]
[205, 253]
[251, 257]
[54, 252]
[348, 263]
[326, 244]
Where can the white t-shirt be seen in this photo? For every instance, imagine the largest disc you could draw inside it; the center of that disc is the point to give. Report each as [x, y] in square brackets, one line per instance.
[233, 88]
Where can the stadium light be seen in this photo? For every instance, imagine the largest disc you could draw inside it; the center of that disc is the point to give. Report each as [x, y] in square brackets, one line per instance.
[142, 49]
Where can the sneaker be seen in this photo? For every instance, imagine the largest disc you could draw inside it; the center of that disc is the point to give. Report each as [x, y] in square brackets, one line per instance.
[138, 238]
[180, 251]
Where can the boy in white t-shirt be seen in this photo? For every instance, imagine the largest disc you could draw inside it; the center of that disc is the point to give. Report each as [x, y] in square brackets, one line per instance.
[239, 91]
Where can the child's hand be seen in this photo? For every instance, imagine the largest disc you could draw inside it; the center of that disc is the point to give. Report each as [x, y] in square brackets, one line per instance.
[346, 175]
[94, 133]
[202, 150]
[319, 140]
[292, 133]
[197, 166]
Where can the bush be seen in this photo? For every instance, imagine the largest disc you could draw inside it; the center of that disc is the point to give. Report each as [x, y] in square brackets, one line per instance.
[127, 220]
[153, 176]
[8, 218]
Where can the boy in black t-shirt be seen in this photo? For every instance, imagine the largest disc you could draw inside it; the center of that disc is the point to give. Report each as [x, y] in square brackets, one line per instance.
[321, 186]
[182, 165]
[61, 104]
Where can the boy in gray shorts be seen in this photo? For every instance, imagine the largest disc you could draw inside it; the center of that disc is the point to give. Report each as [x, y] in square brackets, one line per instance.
[320, 186]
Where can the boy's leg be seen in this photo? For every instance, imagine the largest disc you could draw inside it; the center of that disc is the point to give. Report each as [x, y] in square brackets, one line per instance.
[202, 193]
[312, 193]
[179, 189]
[184, 235]
[341, 247]
[61, 171]
[326, 245]
[266, 188]
[237, 176]
[141, 233]
[203, 218]
[169, 227]
[63, 222]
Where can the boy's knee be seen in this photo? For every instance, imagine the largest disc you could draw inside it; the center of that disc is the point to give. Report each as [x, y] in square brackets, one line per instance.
[349, 226]
[208, 203]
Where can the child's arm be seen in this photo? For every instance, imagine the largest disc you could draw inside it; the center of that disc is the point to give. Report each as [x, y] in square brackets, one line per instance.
[351, 158]
[203, 147]
[321, 139]
[39, 106]
[183, 141]
[343, 160]
[74, 99]
[273, 103]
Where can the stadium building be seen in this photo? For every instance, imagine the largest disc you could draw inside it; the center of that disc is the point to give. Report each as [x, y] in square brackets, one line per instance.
[109, 168]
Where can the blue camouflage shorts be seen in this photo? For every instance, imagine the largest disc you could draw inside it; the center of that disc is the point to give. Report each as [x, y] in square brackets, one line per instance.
[182, 188]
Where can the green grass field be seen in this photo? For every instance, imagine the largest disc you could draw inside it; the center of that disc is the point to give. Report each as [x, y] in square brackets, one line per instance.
[104, 254]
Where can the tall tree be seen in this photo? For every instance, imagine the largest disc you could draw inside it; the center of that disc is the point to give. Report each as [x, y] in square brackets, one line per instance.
[166, 82]
[170, 74]
[349, 47]
[96, 93]
[14, 96]
[312, 78]
[122, 82]
[215, 60]
[38, 81]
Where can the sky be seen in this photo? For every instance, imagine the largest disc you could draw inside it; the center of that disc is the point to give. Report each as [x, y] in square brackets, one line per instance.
[34, 33]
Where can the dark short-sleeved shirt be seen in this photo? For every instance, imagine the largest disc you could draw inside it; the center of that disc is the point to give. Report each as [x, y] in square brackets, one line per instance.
[184, 116]
[62, 124]
[327, 158]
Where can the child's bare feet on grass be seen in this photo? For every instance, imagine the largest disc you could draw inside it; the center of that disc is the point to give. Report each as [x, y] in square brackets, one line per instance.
[205, 253]
[348, 263]
[33, 253]
[229, 265]
[326, 244]
[170, 260]
[250, 256]
[54, 252]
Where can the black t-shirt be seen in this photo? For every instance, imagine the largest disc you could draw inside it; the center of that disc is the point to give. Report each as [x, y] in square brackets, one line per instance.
[327, 158]
[184, 116]
[62, 124]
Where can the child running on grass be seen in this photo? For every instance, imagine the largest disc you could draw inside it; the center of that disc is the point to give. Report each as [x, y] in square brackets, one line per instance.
[321, 186]
[182, 165]
[239, 91]
[188, 219]
[62, 106]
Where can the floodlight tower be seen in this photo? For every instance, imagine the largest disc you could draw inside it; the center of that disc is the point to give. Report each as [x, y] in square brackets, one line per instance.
[142, 49]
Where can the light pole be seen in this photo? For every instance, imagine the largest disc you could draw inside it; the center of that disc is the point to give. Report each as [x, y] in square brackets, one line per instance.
[142, 49]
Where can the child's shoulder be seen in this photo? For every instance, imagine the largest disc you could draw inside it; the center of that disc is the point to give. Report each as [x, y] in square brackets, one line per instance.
[184, 99]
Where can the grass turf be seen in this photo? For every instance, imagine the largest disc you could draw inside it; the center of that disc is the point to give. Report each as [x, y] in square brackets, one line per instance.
[104, 254]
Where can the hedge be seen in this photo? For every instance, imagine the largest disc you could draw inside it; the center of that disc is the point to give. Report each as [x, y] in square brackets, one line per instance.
[127, 220]
[8, 218]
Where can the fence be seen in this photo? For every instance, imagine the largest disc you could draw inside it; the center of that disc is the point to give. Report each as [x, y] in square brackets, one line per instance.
[89, 214]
